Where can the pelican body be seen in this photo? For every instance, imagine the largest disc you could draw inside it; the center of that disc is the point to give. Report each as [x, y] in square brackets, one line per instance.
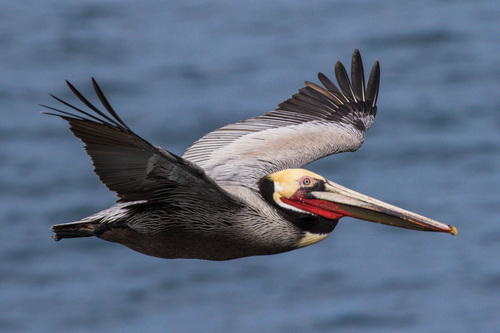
[238, 191]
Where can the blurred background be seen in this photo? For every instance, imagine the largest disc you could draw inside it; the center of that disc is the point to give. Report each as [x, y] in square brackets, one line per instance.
[175, 70]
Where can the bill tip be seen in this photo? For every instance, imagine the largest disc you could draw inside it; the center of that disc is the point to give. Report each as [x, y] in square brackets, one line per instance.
[453, 230]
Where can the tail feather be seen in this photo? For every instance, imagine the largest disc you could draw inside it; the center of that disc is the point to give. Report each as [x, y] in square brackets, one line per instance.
[74, 230]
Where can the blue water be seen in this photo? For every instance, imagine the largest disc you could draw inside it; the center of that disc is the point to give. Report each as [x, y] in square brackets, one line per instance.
[178, 69]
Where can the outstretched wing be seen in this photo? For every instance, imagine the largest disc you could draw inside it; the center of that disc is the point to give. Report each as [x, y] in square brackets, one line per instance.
[313, 123]
[129, 165]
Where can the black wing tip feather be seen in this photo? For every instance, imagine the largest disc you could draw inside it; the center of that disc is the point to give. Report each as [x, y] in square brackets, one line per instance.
[373, 84]
[358, 76]
[106, 104]
[351, 90]
[354, 89]
[333, 103]
[98, 116]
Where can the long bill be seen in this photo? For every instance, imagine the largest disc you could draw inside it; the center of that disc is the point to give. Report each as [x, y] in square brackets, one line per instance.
[339, 200]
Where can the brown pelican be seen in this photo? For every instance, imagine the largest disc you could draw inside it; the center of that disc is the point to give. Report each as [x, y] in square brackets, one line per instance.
[238, 191]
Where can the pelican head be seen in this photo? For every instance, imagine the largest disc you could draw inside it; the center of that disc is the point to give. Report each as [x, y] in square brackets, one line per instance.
[315, 204]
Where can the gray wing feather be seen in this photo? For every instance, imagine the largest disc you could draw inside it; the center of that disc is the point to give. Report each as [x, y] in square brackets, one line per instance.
[131, 166]
[313, 123]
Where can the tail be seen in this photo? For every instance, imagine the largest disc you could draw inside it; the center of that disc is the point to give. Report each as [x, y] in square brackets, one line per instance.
[94, 225]
[76, 229]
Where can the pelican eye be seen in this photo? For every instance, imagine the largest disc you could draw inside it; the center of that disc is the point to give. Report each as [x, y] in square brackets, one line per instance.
[306, 181]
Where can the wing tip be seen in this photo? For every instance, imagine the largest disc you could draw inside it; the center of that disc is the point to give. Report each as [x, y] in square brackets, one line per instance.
[111, 118]
[353, 91]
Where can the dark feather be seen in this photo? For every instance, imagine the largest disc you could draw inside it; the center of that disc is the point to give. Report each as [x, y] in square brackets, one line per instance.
[373, 84]
[344, 82]
[332, 88]
[105, 102]
[358, 76]
[88, 104]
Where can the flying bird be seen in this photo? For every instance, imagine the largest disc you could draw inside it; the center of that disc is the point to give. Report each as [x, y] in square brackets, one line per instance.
[240, 190]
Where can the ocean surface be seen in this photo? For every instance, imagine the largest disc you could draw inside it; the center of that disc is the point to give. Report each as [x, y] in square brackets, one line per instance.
[175, 70]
